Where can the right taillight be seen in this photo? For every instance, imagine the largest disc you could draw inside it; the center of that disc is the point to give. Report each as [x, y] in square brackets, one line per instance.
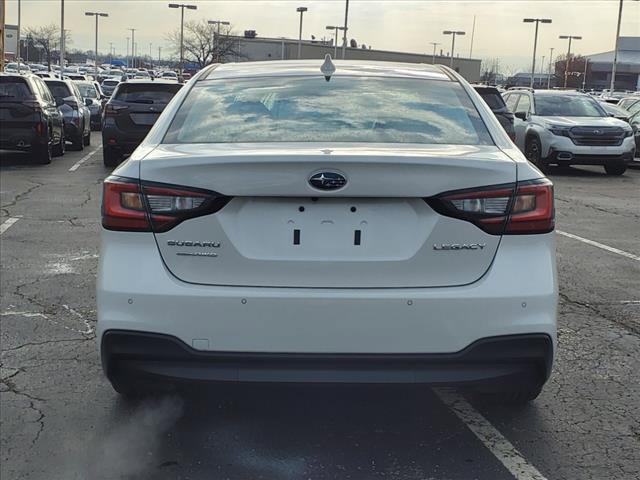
[130, 205]
[522, 208]
[533, 210]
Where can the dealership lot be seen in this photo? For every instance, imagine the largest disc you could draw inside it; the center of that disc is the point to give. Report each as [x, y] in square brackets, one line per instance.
[56, 406]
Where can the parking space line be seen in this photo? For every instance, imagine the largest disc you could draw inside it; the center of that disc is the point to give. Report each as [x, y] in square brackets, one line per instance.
[82, 160]
[7, 223]
[497, 444]
[599, 245]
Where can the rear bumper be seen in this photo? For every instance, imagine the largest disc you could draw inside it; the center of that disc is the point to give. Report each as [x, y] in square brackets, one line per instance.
[501, 362]
[123, 143]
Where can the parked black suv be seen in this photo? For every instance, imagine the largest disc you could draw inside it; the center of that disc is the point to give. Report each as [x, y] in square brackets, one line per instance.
[493, 98]
[30, 118]
[129, 115]
[77, 117]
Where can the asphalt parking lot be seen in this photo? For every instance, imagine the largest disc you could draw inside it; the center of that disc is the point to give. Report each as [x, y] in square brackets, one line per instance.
[61, 419]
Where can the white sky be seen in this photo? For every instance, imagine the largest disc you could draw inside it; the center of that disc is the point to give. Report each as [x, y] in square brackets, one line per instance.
[384, 24]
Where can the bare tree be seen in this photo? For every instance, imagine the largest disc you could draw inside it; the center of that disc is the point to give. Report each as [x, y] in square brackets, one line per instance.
[202, 45]
[47, 38]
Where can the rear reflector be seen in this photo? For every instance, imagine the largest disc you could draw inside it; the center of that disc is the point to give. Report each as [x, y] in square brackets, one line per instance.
[130, 205]
[522, 208]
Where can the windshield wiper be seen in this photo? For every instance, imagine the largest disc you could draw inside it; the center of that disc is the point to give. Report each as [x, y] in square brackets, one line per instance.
[141, 100]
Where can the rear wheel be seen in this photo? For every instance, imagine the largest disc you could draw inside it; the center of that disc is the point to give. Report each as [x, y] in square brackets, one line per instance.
[533, 152]
[42, 154]
[110, 158]
[78, 143]
[59, 149]
[615, 169]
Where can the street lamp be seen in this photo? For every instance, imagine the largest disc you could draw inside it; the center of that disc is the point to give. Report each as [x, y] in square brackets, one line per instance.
[566, 63]
[218, 23]
[344, 32]
[550, 63]
[335, 46]
[615, 52]
[535, 43]
[96, 14]
[453, 33]
[182, 6]
[435, 44]
[301, 10]
[133, 38]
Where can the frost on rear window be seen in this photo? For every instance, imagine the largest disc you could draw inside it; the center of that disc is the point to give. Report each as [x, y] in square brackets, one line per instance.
[346, 109]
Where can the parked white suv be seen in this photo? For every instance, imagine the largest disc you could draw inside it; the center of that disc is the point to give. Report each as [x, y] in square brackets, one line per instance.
[370, 224]
[569, 128]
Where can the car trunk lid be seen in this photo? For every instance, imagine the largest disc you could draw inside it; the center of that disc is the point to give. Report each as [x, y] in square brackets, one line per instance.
[376, 231]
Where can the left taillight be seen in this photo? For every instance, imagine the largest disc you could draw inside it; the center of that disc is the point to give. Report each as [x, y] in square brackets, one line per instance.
[130, 205]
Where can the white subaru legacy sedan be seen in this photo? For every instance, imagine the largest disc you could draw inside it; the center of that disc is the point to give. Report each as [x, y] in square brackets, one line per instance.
[353, 222]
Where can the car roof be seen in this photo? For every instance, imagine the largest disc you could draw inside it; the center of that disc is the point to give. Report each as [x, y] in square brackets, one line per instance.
[312, 68]
[140, 81]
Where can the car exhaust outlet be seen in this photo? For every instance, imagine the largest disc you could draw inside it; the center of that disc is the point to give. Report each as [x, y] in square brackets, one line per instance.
[564, 156]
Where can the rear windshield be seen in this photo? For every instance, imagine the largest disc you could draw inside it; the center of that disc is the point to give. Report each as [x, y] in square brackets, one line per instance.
[493, 99]
[13, 88]
[111, 83]
[147, 93]
[568, 106]
[59, 89]
[345, 109]
[87, 90]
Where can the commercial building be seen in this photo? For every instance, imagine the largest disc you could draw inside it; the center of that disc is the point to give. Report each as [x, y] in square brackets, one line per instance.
[260, 49]
[10, 38]
[523, 79]
[627, 69]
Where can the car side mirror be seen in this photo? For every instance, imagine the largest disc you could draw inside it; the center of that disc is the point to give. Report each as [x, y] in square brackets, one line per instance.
[59, 101]
[521, 115]
[88, 102]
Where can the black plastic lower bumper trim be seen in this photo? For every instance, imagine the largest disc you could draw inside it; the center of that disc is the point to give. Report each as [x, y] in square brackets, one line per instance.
[516, 360]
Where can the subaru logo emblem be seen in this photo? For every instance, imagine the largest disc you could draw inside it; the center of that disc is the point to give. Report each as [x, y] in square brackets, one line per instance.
[597, 132]
[327, 180]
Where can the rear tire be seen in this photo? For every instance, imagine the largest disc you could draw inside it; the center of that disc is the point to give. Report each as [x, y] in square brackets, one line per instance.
[59, 149]
[78, 143]
[533, 152]
[615, 169]
[110, 158]
[42, 154]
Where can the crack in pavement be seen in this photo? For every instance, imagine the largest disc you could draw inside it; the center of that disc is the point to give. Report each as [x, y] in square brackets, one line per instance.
[593, 307]
[594, 207]
[22, 195]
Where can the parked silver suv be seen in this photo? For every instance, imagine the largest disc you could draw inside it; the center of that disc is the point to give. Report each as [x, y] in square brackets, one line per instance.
[569, 128]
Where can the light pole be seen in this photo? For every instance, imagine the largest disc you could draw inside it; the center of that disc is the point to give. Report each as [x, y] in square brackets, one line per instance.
[127, 52]
[335, 43]
[435, 44]
[96, 14]
[217, 43]
[550, 64]
[566, 63]
[182, 6]
[110, 54]
[18, 41]
[133, 39]
[159, 55]
[62, 36]
[344, 32]
[535, 43]
[150, 56]
[453, 33]
[584, 78]
[301, 10]
[542, 67]
[615, 52]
